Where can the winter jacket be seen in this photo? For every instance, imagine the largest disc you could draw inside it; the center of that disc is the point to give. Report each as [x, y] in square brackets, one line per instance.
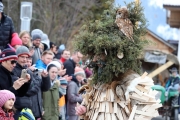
[40, 65]
[69, 65]
[32, 99]
[50, 103]
[6, 31]
[6, 82]
[173, 83]
[36, 56]
[6, 116]
[72, 96]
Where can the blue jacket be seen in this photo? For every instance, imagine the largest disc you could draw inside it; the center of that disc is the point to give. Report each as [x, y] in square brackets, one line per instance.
[172, 82]
[40, 65]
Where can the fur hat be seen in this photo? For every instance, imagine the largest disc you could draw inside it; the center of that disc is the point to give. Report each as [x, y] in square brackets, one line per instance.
[1, 7]
[7, 54]
[15, 40]
[5, 96]
[79, 71]
[22, 50]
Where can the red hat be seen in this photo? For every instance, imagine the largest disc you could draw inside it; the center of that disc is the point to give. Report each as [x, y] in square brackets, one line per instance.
[15, 40]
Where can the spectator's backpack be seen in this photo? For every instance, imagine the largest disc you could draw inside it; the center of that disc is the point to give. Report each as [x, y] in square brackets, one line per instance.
[26, 114]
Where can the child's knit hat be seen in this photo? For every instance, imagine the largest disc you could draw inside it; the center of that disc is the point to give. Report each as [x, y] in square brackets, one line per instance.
[5, 96]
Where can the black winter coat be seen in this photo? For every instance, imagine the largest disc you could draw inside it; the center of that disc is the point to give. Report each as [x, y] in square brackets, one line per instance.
[69, 65]
[6, 82]
[32, 99]
[6, 31]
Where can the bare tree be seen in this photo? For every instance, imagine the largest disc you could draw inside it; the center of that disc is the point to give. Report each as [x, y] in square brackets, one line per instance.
[59, 19]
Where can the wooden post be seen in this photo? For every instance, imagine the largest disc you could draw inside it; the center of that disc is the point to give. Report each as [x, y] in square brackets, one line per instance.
[160, 69]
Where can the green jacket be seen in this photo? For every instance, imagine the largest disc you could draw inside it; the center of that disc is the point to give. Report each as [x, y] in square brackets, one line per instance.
[50, 103]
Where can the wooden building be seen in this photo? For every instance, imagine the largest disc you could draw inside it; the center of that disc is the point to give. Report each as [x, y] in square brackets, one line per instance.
[158, 58]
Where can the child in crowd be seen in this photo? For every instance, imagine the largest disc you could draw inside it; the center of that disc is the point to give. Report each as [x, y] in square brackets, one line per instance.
[7, 100]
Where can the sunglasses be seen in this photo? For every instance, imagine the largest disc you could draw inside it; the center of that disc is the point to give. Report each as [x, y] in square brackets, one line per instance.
[13, 62]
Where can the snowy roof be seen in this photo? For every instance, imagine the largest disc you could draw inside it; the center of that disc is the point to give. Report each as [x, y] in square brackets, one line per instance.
[171, 2]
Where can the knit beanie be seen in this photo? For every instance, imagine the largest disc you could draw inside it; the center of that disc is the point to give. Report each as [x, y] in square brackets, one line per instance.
[1, 7]
[15, 40]
[37, 32]
[36, 36]
[5, 96]
[22, 50]
[7, 54]
[56, 63]
[63, 81]
[79, 71]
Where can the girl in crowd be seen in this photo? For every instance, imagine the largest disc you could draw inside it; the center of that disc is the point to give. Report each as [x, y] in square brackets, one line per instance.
[7, 100]
[50, 98]
[26, 39]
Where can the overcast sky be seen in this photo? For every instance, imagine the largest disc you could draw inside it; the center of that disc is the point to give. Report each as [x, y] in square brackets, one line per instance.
[156, 15]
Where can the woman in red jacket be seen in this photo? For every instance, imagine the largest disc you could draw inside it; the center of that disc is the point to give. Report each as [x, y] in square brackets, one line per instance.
[7, 100]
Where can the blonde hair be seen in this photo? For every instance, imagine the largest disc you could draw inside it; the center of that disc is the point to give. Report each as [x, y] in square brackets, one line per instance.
[47, 52]
[22, 33]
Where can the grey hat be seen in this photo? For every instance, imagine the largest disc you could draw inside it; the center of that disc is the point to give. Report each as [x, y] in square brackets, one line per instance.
[36, 36]
[37, 31]
[22, 50]
[1, 7]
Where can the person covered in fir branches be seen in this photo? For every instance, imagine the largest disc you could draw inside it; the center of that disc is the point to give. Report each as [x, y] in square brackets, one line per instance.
[7, 100]
[113, 43]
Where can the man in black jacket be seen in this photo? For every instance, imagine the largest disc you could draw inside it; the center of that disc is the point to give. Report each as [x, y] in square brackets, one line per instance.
[70, 64]
[6, 28]
[32, 99]
[18, 86]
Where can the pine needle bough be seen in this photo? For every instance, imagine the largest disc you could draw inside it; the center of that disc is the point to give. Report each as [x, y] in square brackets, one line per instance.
[101, 40]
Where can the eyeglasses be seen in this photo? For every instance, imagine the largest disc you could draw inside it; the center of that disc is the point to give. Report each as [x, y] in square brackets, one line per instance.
[13, 62]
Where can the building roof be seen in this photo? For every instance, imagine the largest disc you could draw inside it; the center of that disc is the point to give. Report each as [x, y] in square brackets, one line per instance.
[161, 39]
[171, 2]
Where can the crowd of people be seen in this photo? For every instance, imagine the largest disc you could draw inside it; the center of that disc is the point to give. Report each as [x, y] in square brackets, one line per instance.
[38, 76]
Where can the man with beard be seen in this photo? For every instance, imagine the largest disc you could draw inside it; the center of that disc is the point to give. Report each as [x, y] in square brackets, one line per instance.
[32, 99]
[36, 40]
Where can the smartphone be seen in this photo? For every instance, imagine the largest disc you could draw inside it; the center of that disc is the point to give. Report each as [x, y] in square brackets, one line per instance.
[23, 73]
[31, 48]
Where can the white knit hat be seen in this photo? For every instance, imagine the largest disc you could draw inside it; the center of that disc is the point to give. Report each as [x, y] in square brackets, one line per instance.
[79, 71]
[56, 63]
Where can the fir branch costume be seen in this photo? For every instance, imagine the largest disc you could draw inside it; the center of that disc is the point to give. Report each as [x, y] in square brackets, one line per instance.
[116, 90]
